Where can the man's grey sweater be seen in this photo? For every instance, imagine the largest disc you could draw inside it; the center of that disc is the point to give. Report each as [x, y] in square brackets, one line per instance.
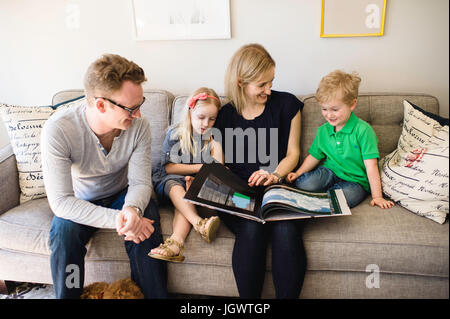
[77, 169]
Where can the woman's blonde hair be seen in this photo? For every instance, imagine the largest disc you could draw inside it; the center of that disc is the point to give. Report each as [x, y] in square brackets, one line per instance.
[184, 131]
[248, 64]
[336, 83]
[108, 73]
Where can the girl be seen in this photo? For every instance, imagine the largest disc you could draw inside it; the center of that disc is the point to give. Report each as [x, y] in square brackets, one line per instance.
[186, 148]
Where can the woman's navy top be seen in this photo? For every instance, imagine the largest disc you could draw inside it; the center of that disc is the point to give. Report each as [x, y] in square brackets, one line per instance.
[245, 139]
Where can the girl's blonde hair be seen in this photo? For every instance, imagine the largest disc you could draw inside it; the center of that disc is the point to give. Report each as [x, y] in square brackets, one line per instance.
[248, 64]
[184, 130]
[338, 82]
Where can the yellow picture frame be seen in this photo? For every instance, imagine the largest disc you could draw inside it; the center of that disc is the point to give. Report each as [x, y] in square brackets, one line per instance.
[352, 18]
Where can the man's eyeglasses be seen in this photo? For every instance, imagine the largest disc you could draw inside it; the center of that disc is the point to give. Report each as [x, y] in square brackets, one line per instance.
[130, 110]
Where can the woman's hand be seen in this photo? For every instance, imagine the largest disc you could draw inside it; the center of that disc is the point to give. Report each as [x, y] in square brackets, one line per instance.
[262, 177]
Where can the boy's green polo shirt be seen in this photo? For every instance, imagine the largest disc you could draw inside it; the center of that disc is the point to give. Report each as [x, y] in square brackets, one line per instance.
[345, 151]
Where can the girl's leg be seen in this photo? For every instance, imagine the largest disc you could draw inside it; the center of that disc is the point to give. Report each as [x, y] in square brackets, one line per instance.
[181, 228]
[185, 216]
[187, 209]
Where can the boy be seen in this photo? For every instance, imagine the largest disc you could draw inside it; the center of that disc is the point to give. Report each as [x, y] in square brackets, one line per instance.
[347, 144]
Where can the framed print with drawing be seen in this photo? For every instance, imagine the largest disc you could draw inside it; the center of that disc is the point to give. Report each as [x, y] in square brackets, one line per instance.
[352, 18]
[181, 19]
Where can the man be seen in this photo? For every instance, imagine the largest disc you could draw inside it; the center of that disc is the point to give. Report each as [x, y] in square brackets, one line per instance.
[97, 174]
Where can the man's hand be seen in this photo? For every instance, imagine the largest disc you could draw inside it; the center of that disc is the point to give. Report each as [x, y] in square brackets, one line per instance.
[134, 228]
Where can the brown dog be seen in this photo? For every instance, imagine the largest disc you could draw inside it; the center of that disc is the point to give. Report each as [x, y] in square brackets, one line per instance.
[121, 289]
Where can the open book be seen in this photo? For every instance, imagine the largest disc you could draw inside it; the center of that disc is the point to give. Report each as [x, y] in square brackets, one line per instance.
[216, 187]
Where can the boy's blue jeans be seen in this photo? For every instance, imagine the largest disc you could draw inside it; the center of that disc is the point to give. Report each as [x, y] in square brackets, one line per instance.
[67, 244]
[322, 179]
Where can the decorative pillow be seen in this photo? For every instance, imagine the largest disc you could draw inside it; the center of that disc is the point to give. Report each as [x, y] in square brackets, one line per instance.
[416, 174]
[24, 125]
[441, 120]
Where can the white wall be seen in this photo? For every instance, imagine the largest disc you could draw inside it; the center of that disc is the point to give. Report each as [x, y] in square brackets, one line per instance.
[39, 55]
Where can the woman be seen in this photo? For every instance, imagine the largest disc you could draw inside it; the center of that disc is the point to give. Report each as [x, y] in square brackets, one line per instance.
[274, 118]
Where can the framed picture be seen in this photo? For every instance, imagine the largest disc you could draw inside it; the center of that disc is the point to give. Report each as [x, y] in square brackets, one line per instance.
[181, 19]
[352, 18]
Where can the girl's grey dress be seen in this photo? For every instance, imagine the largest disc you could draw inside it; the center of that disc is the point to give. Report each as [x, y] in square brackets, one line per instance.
[171, 153]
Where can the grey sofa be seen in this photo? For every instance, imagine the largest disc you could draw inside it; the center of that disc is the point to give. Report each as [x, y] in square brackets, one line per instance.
[401, 254]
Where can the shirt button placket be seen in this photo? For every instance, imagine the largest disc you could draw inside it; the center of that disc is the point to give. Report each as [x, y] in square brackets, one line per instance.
[339, 145]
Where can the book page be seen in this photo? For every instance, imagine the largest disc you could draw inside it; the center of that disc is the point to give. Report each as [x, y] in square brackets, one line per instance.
[317, 203]
[284, 202]
[214, 190]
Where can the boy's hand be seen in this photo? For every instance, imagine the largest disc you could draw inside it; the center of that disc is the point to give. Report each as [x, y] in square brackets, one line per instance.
[291, 177]
[381, 202]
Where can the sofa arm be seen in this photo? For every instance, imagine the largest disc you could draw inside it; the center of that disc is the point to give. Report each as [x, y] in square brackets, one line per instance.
[9, 180]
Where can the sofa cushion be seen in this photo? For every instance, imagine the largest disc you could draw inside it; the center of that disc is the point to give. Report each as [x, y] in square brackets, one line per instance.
[395, 240]
[9, 186]
[26, 228]
[416, 174]
[24, 125]
[156, 109]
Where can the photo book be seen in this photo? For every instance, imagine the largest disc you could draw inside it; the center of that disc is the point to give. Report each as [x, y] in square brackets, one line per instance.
[216, 187]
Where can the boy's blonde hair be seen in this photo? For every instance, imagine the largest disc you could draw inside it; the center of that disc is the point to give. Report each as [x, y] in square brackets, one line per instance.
[184, 130]
[336, 83]
[248, 64]
[107, 74]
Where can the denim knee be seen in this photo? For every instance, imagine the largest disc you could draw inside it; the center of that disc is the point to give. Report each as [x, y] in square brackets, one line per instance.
[317, 180]
[66, 234]
[151, 211]
[354, 193]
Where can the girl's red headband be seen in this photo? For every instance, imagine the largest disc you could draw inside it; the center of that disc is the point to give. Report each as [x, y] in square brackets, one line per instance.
[201, 96]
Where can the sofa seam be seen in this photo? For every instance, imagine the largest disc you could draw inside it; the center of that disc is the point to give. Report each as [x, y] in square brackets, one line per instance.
[227, 265]
[381, 272]
[93, 259]
[372, 243]
[305, 240]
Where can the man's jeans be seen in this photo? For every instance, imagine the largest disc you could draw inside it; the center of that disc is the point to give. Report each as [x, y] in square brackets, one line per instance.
[67, 244]
[323, 179]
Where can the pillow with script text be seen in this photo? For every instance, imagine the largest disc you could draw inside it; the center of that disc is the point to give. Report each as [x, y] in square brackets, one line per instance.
[416, 174]
[24, 125]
